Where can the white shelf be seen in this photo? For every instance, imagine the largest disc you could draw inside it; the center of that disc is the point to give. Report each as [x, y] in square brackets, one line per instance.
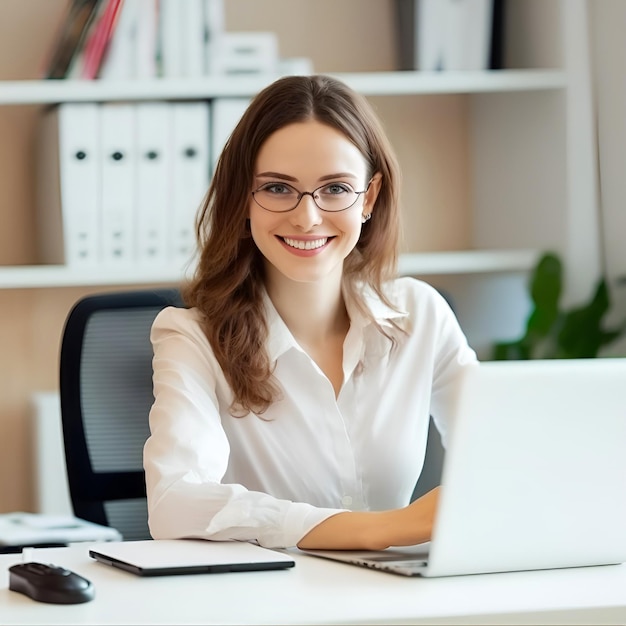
[420, 264]
[407, 83]
[368, 83]
[44, 276]
[467, 262]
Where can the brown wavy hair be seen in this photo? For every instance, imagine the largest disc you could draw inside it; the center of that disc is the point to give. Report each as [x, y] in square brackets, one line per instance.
[228, 284]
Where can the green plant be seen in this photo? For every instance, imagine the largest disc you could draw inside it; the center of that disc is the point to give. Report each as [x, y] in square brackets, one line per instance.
[554, 334]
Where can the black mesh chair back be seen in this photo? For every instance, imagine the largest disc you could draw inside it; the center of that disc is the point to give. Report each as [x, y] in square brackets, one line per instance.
[433, 463]
[106, 395]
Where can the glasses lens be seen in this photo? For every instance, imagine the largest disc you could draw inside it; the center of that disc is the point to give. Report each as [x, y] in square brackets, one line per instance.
[280, 197]
[335, 197]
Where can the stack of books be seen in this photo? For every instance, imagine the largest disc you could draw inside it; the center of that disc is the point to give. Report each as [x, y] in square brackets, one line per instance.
[139, 39]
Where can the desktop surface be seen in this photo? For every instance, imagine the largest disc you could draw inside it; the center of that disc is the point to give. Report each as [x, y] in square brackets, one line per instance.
[317, 591]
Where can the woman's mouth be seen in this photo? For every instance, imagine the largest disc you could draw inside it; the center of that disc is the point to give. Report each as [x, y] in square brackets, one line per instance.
[308, 244]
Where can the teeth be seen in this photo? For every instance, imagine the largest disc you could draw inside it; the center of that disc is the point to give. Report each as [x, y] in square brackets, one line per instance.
[305, 245]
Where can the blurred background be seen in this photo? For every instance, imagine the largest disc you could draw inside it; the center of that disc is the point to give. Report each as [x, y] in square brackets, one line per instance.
[513, 170]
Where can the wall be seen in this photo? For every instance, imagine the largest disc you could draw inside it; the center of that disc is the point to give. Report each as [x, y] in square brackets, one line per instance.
[609, 57]
[429, 134]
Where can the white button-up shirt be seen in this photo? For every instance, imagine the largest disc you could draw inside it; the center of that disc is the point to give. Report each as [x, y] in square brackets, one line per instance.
[311, 454]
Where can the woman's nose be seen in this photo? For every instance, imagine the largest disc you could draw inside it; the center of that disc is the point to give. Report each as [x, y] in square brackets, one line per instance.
[307, 214]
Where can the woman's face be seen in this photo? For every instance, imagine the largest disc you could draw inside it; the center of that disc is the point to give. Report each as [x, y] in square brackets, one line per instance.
[308, 244]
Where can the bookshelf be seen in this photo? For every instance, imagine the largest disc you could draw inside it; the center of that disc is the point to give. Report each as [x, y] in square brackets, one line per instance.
[385, 84]
[498, 166]
[525, 183]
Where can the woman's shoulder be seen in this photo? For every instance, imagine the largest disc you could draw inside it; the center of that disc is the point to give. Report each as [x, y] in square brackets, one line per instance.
[408, 294]
[178, 320]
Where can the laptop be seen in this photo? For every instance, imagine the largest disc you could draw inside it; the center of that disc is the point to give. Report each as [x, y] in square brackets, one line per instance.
[534, 476]
[166, 557]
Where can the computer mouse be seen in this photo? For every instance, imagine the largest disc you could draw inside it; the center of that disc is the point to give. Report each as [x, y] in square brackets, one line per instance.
[49, 583]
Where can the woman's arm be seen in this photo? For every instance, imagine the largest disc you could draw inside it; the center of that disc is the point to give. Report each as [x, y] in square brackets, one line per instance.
[375, 530]
[187, 454]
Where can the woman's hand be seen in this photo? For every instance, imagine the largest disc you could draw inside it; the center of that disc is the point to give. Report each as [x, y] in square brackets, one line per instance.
[410, 525]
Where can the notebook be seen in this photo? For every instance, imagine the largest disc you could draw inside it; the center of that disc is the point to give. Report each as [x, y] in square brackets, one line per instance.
[19, 529]
[534, 476]
[165, 557]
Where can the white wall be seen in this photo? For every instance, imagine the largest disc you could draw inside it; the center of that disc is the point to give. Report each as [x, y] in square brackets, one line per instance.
[607, 22]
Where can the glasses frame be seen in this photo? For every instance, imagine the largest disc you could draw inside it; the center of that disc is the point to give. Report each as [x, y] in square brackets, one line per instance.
[301, 195]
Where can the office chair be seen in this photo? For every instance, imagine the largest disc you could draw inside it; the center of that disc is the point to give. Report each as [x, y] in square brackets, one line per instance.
[433, 463]
[106, 395]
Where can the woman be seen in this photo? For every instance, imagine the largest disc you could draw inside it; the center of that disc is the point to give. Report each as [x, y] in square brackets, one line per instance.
[292, 398]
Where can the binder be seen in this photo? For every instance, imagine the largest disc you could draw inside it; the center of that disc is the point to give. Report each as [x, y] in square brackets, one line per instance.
[146, 39]
[430, 24]
[454, 35]
[69, 183]
[214, 27]
[190, 167]
[154, 189]
[467, 38]
[119, 62]
[170, 39]
[118, 166]
[225, 114]
[192, 37]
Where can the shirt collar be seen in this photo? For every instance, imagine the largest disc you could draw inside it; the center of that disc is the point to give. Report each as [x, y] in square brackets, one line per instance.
[280, 339]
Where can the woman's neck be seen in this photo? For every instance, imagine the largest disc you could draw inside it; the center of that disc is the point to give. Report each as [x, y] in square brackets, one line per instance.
[313, 312]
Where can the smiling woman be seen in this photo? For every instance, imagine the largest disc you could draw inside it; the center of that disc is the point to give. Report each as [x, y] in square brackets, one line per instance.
[292, 397]
[287, 224]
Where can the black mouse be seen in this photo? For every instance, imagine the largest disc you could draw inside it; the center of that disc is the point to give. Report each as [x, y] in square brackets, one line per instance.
[49, 583]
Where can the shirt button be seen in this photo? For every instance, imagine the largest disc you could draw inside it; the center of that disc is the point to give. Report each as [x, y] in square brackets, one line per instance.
[346, 500]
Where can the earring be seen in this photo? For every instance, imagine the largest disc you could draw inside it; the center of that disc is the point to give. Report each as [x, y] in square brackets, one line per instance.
[366, 217]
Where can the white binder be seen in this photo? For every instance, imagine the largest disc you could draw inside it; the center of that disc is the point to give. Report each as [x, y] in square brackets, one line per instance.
[118, 164]
[68, 189]
[190, 169]
[430, 25]
[146, 39]
[192, 37]
[468, 36]
[225, 114]
[119, 61]
[214, 25]
[454, 35]
[154, 189]
[171, 38]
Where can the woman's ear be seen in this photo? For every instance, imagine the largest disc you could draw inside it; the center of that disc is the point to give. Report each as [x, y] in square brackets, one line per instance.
[371, 194]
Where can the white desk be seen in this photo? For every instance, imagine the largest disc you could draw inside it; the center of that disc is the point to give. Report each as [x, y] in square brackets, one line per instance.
[321, 592]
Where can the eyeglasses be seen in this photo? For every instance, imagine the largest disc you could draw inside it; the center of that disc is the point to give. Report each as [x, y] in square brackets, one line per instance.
[281, 197]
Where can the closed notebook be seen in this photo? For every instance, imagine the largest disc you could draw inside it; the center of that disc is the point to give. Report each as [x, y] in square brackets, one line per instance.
[166, 557]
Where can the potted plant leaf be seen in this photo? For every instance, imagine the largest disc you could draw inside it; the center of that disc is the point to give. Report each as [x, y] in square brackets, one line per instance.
[551, 333]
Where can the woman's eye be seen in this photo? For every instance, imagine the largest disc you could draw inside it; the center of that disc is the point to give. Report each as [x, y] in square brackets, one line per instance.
[336, 189]
[277, 188]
